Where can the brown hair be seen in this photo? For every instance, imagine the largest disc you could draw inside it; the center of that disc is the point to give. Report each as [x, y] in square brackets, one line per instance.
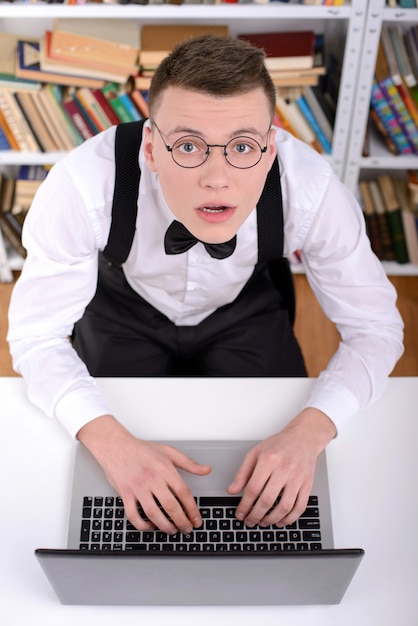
[214, 65]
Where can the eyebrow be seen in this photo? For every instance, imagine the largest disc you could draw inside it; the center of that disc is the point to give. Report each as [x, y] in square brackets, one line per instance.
[248, 130]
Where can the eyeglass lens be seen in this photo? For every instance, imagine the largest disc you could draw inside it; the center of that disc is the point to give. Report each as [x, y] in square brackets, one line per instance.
[241, 152]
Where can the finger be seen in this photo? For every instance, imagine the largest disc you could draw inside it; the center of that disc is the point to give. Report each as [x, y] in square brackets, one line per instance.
[184, 462]
[187, 503]
[132, 513]
[166, 513]
[264, 504]
[252, 493]
[284, 518]
[244, 473]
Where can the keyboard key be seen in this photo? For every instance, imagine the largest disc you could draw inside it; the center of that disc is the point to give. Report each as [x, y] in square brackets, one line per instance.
[311, 511]
[311, 535]
[308, 523]
[85, 531]
[208, 547]
[136, 547]
[231, 501]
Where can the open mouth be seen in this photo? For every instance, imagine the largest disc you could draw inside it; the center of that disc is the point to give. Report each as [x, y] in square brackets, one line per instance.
[214, 209]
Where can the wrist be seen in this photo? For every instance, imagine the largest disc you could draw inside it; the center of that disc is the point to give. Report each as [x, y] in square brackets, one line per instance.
[100, 431]
[316, 426]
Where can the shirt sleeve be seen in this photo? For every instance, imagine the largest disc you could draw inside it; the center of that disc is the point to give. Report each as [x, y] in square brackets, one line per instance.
[58, 280]
[353, 290]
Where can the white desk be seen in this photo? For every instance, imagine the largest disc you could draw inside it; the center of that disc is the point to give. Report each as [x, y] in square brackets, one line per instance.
[373, 481]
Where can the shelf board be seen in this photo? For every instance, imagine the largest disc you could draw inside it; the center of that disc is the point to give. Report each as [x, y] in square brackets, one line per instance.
[169, 11]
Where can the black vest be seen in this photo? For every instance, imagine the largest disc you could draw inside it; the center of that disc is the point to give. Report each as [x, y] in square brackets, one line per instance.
[125, 207]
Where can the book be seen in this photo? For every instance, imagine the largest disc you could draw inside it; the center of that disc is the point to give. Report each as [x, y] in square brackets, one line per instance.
[58, 93]
[139, 100]
[394, 216]
[12, 111]
[61, 122]
[84, 73]
[93, 109]
[380, 210]
[389, 120]
[407, 4]
[8, 132]
[317, 107]
[126, 102]
[408, 219]
[297, 78]
[116, 102]
[374, 120]
[54, 120]
[4, 143]
[77, 117]
[158, 40]
[399, 67]
[78, 39]
[36, 122]
[8, 46]
[105, 105]
[12, 230]
[372, 222]
[287, 106]
[313, 122]
[28, 65]
[394, 99]
[284, 50]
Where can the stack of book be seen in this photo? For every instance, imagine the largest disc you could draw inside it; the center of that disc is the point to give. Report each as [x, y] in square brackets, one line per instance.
[16, 196]
[81, 52]
[394, 98]
[293, 58]
[390, 210]
[56, 118]
[307, 114]
[158, 40]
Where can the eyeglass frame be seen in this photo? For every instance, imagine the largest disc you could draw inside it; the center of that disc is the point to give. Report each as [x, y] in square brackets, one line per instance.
[212, 145]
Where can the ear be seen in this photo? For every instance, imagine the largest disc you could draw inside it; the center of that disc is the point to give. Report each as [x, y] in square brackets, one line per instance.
[272, 151]
[148, 143]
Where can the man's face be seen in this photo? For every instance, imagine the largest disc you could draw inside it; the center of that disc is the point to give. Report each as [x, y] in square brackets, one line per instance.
[214, 199]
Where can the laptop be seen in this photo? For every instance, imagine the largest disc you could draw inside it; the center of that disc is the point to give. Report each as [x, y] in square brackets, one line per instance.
[109, 562]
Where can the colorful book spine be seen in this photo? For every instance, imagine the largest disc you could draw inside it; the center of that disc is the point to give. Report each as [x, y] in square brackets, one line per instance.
[77, 118]
[400, 111]
[313, 122]
[4, 144]
[389, 120]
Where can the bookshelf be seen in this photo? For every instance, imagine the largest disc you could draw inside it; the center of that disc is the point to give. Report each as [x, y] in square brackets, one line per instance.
[343, 28]
[380, 160]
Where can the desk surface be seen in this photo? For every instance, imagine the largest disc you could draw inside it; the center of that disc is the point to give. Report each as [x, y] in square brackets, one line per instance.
[373, 467]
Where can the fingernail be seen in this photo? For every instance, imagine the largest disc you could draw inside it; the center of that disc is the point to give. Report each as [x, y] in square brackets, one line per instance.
[240, 516]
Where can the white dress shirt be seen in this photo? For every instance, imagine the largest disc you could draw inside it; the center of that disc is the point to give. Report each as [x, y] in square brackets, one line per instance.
[69, 223]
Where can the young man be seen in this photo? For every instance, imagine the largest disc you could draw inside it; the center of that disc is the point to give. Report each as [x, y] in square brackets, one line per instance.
[205, 155]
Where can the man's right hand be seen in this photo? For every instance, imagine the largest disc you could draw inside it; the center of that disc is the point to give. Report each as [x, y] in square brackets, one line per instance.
[142, 471]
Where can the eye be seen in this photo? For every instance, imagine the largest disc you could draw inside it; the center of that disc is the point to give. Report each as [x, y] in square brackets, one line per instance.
[187, 148]
[242, 146]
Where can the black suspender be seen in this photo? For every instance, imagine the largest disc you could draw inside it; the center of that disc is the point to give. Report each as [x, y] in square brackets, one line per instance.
[125, 206]
[125, 194]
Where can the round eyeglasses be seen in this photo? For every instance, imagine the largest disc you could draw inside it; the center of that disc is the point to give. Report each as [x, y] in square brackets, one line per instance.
[192, 151]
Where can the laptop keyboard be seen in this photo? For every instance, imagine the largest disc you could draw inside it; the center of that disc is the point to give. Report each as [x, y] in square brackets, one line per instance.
[105, 527]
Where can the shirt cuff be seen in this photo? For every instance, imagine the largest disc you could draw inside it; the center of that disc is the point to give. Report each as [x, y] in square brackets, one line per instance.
[79, 407]
[336, 401]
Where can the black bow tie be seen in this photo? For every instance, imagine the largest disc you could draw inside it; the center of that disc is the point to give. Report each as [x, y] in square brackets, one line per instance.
[178, 239]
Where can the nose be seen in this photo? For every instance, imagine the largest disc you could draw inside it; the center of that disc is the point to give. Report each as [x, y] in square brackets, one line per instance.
[215, 171]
